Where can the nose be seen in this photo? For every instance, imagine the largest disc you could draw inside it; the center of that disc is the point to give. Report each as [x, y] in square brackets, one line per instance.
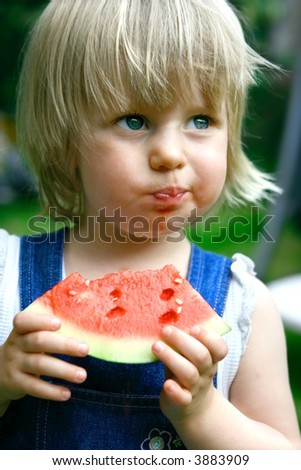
[167, 151]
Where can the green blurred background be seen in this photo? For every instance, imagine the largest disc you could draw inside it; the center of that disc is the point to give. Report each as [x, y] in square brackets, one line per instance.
[273, 28]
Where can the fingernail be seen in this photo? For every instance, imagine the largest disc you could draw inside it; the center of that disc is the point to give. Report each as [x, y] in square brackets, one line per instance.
[195, 330]
[167, 330]
[83, 348]
[66, 394]
[55, 322]
[80, 374]
[158, 347]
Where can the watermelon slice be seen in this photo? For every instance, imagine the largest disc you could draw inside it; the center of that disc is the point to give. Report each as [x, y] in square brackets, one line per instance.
[121, 315]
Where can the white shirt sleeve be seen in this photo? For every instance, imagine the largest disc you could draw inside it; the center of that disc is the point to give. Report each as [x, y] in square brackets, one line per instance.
[9, 282]
[240, 306]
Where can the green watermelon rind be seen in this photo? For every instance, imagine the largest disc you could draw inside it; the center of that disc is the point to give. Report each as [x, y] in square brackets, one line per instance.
[128, 349]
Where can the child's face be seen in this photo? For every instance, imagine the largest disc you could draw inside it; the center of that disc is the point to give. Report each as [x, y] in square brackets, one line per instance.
[147, 167]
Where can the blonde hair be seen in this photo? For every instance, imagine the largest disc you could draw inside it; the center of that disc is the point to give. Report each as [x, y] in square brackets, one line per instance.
[87, 56]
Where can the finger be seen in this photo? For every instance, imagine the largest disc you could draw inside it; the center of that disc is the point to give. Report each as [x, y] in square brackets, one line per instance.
[185, 372]
[188, 346]
[43, 364]
[39, 388]
[25, 322]
[178, 395]
[52, 342]
[215, 344]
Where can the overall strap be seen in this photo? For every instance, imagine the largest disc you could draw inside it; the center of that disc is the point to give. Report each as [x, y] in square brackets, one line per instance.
[40, 264]
[210, 275]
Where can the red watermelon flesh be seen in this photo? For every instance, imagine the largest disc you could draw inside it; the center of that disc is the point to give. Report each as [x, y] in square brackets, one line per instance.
[121, 315]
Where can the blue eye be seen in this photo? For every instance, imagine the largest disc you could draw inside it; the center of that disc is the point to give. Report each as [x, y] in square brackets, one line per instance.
[134, 122]
[199, 122]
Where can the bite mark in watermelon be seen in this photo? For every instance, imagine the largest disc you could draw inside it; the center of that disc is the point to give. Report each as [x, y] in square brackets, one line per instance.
[121, 315]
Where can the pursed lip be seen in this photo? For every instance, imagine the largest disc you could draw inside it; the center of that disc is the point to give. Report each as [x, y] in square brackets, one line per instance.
[169, 193]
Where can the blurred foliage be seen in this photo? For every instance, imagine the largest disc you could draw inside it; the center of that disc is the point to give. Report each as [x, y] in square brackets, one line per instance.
[17, 18]
[259, 16]
[267, 106]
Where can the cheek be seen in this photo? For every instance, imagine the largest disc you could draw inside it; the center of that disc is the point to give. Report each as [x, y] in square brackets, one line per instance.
[218, 167]
[211, 177]
[104, 183]
[221, 171]
[95, 165]
[212, 169]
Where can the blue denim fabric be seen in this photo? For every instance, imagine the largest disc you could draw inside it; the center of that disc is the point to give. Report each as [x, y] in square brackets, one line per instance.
[118, 405]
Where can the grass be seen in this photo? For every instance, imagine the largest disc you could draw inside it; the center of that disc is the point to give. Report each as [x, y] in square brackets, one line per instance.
[242, 236]
[294, 354]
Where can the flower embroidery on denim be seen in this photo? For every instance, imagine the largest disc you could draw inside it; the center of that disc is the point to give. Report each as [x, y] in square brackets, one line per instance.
[157, 440]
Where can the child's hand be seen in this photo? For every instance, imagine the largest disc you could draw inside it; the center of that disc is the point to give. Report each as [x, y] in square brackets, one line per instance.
[26, 355]
[191, 362]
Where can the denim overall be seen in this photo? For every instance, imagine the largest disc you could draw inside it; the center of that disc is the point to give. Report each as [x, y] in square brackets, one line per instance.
[117, 407]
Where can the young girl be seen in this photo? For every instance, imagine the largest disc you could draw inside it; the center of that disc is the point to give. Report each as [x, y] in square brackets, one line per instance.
[130, 112]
